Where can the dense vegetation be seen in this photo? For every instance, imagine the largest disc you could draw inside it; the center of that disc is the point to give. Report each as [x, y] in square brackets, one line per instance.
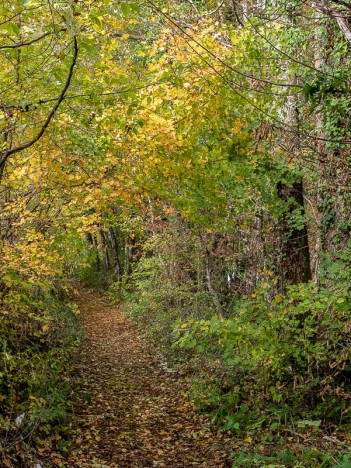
[194, 159]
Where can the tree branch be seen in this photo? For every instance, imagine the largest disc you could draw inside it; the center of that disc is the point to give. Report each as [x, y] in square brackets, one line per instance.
[41, 132]
[342, 2]
[340, 19]
[27, 43]
[132, 37]
[27, 107]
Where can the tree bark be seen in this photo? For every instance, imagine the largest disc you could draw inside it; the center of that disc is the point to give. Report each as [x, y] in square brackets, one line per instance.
[294, 264]
[117, 265]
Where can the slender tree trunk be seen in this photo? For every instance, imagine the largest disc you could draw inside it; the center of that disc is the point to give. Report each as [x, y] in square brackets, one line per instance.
[106, 247]
[93, 245]
[294, 260]
[209, 281]
[117, 264]
[294, 249]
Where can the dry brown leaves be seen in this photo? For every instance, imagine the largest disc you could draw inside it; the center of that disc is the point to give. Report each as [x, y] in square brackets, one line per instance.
[134, 413]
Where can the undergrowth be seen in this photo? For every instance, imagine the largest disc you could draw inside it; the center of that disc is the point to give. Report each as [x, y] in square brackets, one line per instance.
[39, 338]
[275, 373]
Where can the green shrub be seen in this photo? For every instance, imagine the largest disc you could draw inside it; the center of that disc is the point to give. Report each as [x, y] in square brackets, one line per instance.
[39, 336]
[291, 350]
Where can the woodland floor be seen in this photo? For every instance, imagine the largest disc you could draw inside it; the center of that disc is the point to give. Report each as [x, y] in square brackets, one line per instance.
[134, 413]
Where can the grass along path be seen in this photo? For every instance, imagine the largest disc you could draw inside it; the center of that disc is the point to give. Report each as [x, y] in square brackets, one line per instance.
[134, 413]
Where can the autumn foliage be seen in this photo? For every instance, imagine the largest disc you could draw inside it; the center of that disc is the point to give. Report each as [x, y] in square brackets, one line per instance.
[193, 161]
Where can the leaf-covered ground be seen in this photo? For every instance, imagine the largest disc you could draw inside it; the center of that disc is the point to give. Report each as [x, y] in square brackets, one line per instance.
[134, 412]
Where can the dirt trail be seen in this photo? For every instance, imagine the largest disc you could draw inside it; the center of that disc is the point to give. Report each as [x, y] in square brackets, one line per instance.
[134, 414]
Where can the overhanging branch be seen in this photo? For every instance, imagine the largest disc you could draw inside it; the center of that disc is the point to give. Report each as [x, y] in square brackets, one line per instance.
[27, 43]
[61, 97]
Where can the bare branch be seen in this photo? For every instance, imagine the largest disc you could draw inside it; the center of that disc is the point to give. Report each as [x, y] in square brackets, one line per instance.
[194, 7]
[213, 12]
[130, 36]
[340, 19]
[27, 43]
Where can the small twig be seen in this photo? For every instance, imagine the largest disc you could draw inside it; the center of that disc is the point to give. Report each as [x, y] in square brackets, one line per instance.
[133, 37]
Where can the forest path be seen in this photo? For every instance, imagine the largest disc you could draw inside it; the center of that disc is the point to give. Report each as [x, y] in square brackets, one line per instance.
[134, 413]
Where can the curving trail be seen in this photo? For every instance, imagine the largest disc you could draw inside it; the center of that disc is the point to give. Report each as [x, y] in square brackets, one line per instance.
[134, 413]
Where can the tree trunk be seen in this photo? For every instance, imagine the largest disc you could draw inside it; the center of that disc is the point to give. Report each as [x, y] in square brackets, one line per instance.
[117, 265]
[93, 245]
[294, 264]
[106, 247]
[209, 282]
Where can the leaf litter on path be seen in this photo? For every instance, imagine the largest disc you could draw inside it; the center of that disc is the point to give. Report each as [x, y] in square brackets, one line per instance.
[133, 412]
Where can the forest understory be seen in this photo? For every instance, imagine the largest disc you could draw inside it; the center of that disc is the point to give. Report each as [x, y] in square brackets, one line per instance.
[130, 409]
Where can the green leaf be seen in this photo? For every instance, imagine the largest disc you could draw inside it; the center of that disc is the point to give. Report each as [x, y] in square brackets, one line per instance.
[135, 7]
[125, 8]
[305, 423]
[95, 19]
